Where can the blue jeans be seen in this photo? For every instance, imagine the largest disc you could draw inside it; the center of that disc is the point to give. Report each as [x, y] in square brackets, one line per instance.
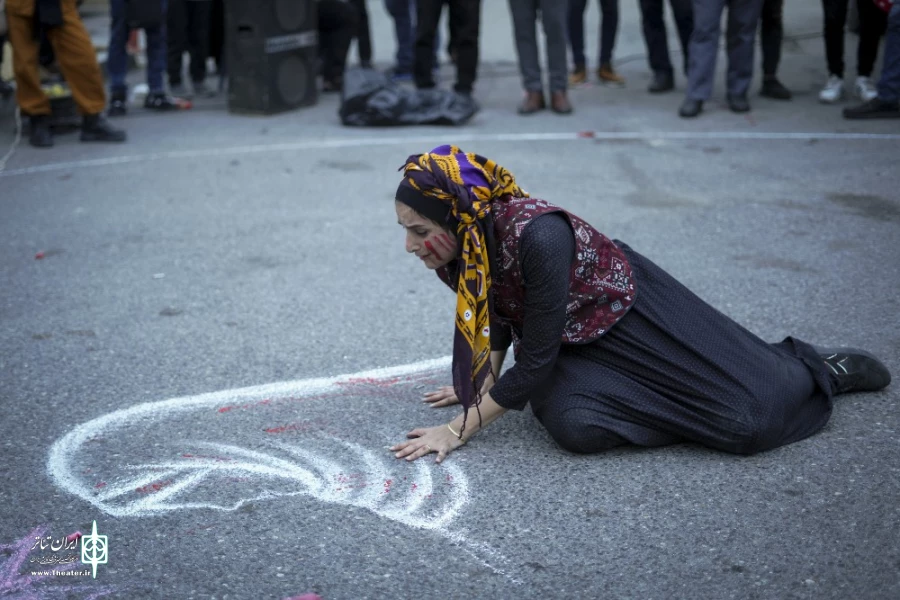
[889, 84]
[117, 59]
[404, 14]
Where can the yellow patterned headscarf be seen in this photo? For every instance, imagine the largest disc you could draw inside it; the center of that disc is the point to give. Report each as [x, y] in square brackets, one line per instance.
[468, 184]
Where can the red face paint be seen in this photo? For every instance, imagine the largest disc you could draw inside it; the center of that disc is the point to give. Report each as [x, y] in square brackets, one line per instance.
[444, 241]
[434, 252]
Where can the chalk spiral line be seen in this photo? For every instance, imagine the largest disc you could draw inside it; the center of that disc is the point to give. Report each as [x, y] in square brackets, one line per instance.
[284, 469]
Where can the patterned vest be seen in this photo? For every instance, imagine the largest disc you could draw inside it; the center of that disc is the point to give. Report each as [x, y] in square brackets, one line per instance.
[601, 288]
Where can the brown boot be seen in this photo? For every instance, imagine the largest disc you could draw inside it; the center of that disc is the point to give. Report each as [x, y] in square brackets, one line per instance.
[606, 74]
[559, 103]
[534, 101]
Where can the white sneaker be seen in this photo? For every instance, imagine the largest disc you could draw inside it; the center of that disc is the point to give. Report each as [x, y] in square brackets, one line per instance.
[865, 89]
[833, 90]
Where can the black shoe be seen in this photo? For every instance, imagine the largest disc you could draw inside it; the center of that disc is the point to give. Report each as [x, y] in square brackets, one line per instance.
[876, 108]
[852, 370]
[690, 108]
[6, 90]
[160, 101]
[118, 104]
[772, 88]
[662, 82]
[738, 104]
[94, 128]
[41, 136]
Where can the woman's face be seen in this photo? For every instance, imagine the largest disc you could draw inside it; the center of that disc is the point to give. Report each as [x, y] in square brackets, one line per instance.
[425, 238]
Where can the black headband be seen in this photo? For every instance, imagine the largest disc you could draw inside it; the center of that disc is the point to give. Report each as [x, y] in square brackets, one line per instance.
[427, 206]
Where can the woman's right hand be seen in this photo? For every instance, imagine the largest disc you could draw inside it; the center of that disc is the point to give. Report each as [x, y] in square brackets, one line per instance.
[443, 396]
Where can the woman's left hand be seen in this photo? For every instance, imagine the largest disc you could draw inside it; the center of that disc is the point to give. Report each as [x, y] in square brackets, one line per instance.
[426, 440]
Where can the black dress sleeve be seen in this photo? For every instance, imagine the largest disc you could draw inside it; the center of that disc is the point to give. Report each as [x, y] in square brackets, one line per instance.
[546, 252]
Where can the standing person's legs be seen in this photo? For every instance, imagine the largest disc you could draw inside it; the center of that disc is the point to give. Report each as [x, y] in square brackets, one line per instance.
[771, 34]
[198, 22]
[704, 48]
[117, 55]
[78, 61]
[553, 22]
[363, 33]
[465, 19]
[428, 17]
[872, 25]
[31, 99]
[524, 17]
[402, 13]
[886, 105]
[176, 41]
[835, 15]
[337, 23]
[157, 51]
[683, 12]
[609, 27]
[653, 25]
[575, 28]
[743, 20]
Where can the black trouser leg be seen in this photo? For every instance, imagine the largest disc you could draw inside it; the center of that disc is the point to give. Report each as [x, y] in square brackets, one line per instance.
[466, 18]
[683, 13]
[337, 24]
[835, 12]
[771, 33]
[363, 32]
[176, 25]
[872, 25]
[199, 20]
[428, 16]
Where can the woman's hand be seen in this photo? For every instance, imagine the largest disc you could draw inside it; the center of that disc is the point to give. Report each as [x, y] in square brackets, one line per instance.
[427, 440]
[443, 396]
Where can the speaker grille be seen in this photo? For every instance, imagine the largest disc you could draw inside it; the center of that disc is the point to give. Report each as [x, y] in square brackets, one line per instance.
[291, 14]
[292, 80]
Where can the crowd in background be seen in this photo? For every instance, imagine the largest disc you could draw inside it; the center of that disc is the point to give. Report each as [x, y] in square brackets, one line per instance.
[47, 33]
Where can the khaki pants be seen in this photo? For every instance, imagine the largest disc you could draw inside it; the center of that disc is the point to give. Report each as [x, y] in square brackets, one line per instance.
[74, 52]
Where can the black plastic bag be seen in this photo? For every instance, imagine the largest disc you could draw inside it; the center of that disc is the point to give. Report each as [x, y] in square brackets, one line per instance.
[370, 98]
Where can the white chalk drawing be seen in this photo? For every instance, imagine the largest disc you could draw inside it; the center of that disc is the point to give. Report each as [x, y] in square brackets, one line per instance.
[225, 450]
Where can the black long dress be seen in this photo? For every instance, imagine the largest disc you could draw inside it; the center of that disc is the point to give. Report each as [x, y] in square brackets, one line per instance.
[674, 369]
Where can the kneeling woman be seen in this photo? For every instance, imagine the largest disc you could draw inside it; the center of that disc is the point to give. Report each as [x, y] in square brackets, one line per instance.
[609, 348]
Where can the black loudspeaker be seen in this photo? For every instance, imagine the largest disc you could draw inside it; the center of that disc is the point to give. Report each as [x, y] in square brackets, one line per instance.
[272, 54]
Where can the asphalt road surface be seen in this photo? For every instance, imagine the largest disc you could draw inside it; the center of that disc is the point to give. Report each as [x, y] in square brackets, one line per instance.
[223, 334]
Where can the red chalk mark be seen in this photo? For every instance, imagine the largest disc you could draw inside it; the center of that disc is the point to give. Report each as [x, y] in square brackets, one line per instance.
[299, 427]
[415, 486]
[74, 537]
[387, 485]
[100, 485]
[39, 255]
[586, 134]
[153, 487]
[305, 597]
